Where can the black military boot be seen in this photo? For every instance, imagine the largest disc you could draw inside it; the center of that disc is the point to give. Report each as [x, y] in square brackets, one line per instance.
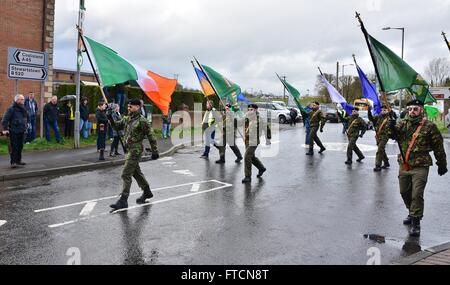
[122, 203]
[310, 152]
[146, 195]
[247, 180]
[377, 168]
[238, 160]
[348, 162]
[261, 172]
[102, 155]
[322, 150]
[360, 159]
[386, 165]
[407, 221]
[415, 228]
[221, 160]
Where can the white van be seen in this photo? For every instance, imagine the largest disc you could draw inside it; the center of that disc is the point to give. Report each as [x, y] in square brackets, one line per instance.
[274, 111]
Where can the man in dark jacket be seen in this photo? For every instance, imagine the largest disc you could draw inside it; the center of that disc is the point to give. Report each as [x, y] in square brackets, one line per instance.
[51, 114]
[32, 108]
[84, 117]
[15, 124]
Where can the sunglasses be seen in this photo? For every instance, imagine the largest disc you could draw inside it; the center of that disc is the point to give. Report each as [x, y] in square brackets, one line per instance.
[413, 109]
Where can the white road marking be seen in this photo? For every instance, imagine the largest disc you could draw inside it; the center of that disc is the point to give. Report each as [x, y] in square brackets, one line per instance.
[225, 185]
[186, 172]
[116, 196]
[389, 156]
[166, 158]
[88, 208]
[2, 222]
[343, 147]
[169, 163]
[195, 187]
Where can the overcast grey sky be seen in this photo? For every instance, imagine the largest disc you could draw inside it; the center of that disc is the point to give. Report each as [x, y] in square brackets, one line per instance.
[249, 40]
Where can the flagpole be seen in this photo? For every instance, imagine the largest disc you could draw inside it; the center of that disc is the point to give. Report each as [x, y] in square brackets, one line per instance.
[446, 41]
[383, 92]
[214, 88]
[76, 130]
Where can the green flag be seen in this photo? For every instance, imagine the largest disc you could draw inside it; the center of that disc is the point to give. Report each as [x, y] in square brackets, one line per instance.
[224, 87]
[112, 68]
[432, 112]
[396, 74]
[294, 93]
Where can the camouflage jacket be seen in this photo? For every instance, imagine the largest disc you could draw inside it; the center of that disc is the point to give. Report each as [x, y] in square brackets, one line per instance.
[317, 118]
[252, 130]
[381, 124]
[355, 126]
[429, 139]
[136, 129]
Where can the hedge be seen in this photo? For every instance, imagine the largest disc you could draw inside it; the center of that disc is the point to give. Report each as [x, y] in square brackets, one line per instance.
[93, 94]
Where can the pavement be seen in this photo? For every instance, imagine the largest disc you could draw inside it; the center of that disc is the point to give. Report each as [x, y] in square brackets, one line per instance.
[57, 162]
[304, 210]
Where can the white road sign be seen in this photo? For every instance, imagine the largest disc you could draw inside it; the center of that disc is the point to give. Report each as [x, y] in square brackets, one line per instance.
[27, 64]
[16, 71]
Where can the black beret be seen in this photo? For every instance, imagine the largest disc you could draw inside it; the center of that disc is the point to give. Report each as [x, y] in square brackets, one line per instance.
[135, 102]
[254, 106]
[317, 103]
[415, 102]
[384, 107]
[355, 108]
[228, 105]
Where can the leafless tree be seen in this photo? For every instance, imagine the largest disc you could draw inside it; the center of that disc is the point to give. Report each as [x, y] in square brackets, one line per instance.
[437, 71]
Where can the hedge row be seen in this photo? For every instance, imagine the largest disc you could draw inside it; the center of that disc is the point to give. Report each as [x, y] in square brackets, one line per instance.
[93, 94]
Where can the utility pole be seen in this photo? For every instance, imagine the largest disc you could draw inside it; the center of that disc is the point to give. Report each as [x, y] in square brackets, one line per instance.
[76, 128]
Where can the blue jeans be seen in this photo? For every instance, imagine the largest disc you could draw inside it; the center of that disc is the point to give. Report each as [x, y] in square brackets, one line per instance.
[84, 128]
[54, 126]
[31, 132]
[166, 130]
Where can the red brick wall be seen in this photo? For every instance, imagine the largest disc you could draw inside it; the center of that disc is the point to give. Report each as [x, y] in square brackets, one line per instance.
[21, 26]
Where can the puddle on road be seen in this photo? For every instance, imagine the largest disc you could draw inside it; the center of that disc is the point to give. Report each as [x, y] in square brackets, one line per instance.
[409, 247]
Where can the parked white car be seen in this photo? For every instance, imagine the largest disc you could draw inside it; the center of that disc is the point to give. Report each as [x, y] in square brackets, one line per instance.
[274, 111]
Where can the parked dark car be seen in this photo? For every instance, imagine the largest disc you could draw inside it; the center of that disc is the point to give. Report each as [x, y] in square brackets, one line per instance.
[332, 116]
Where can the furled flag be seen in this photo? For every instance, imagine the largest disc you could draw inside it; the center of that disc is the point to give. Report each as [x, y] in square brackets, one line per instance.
[336, 97]
[369, 91]
[206, 87]
[224, 87]
[396, 74]
[114, 69]
[294, 93]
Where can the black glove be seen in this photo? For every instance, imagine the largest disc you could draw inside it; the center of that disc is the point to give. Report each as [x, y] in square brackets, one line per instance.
[442, 170]
[361, 135]
[155, 155]
[321, 130]
[392, 123]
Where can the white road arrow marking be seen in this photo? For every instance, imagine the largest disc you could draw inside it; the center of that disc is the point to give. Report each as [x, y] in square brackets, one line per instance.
[2, 222]
[88, 209]
[186, 172]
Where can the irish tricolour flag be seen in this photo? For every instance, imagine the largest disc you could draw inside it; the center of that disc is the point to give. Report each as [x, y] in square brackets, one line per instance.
[114, 69]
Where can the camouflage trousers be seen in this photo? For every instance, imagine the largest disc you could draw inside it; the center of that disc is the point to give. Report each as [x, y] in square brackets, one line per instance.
[412, 188]
[352, 147]
[132, 169]
[313, 138]
[250, 159]
[381, 153]
[228, 139]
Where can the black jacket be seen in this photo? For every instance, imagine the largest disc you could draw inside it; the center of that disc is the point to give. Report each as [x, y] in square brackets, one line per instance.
[84, 112]
[51, 112]
[16, 119]
[101, 117]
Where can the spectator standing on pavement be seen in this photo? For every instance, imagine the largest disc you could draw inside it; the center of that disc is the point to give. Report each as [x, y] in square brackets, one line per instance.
[51, 114]
[32, 108]
[418, 137]
[102, 126]
[69, 119]
[120, 97]
[166, 125]
[15, 124]
[84, 117]
[116, 133]
[293, 114]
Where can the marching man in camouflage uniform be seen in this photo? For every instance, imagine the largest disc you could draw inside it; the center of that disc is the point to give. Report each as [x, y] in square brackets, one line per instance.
[356, 129]
[381, 124]
[251, 139]
[316, 119]
[417, 137]
[136, 129]
[229, 127]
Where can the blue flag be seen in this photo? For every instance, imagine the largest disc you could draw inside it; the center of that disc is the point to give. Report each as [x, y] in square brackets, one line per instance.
[369, 91]
[242, 98]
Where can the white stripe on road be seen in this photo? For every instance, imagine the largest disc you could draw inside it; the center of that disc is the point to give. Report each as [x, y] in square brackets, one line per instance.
[225, 185]
[186, 172]
[195, 187]
[88, 208]
[2, 222]
[115, 196]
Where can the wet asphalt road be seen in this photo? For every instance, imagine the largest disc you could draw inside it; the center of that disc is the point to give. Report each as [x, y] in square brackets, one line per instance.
[305, 210]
